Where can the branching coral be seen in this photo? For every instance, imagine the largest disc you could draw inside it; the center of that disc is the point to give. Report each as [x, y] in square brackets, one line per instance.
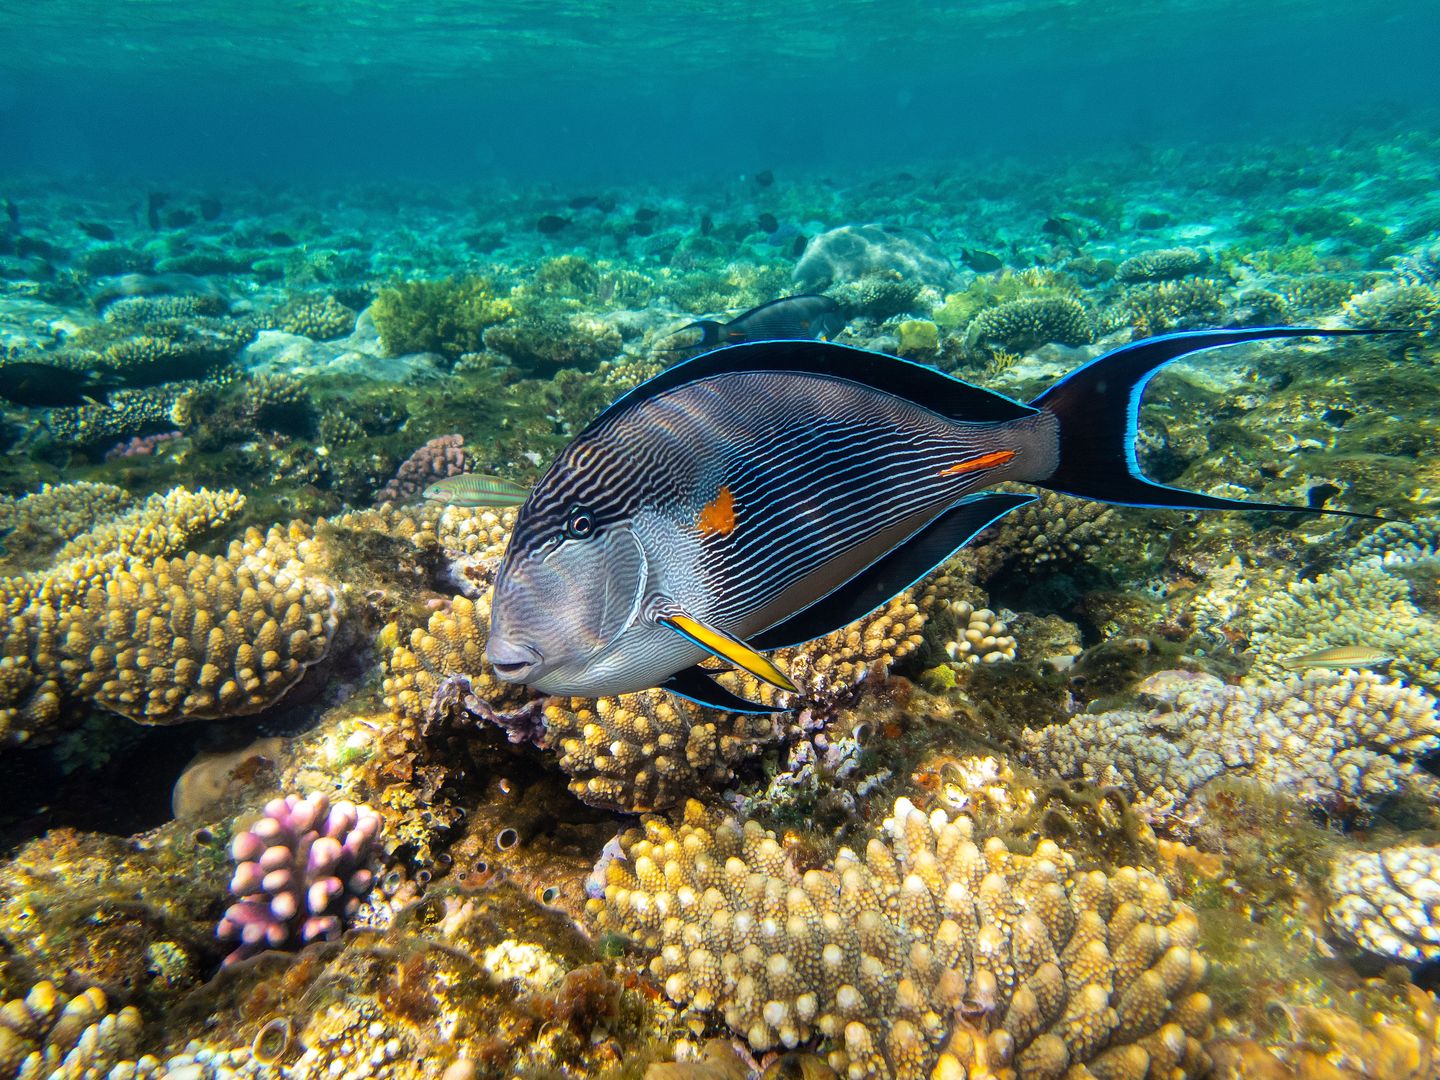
[1343, 742]
[1021, 325]
[924, 952]
[448, 316]
[1395, 306]
[1163, 265]
[47, 1034]
[318, 317]
[300, 872]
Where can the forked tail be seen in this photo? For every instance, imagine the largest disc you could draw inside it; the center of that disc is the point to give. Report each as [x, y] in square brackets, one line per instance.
[1098, 409]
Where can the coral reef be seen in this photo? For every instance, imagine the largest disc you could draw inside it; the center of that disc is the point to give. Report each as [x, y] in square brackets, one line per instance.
[300, 873]
[442, 456]
[1387, 901]
[47, 1034]
[1341, 742]
[1163, 265]
[926, 952]
[448, 316]
[850, 252]
[320, 318]
[1169, 305]
[1049, 534]
[1021, 325]
[541, 344]
[1395, 306]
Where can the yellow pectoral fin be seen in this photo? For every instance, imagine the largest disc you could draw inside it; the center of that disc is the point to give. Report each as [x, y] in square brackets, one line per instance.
[729, 648]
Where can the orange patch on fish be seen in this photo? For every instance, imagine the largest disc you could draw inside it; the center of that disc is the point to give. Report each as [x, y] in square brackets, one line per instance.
[717, 517]
[984, 461]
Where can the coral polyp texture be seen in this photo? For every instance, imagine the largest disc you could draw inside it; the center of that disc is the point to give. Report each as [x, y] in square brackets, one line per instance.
[300, 873]
[48, 1034]
[1388, 902]
[1343, 742]
[639, 751]
[116, 623]
[926, 952]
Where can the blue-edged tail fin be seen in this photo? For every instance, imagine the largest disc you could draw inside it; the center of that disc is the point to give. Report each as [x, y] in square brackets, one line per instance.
[1098, 409]
[709, 332]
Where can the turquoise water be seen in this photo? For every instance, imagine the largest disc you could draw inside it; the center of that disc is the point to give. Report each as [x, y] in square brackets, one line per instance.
[1113, 792]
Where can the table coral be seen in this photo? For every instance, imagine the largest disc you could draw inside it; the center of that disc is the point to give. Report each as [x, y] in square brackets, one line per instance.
[924, 952]
[1342, 742]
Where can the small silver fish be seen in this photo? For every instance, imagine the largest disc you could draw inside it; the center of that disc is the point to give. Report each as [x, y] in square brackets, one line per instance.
[475, 489]
[1344, 656]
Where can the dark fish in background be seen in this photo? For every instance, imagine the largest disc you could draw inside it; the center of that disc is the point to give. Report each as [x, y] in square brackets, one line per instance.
[905, 177]
[180, 218]
[765, 178]
[153, 202]
[646, 214]
[707, 225]
[210, 208]
[582, 202]
[550, 224]
[642, 228]
[798, 247]
[1063, 228]
[47, 386]
[761, 496]
[97, 230]
[12, 213]
[790, 318]
[982, 262]
[768, 223]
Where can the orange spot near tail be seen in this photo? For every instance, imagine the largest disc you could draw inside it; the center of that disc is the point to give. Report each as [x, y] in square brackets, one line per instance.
[717, 517]
[984, 461]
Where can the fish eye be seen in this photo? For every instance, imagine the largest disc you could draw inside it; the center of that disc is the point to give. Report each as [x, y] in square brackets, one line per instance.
[580, 524]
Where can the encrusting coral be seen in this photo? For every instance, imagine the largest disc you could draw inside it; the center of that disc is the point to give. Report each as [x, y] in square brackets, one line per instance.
[1343, 742]
[1388, 902]
[926, 952]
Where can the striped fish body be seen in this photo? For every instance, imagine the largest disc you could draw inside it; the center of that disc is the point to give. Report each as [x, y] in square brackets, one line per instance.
[476, 490]
[767, 494]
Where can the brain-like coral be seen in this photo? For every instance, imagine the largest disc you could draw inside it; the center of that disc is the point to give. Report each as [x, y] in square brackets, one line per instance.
[49, 1034]
[1021, 325]
[1341, 741]
[1388, 902]
[1163, 265]
[926, 952]
[300, 873]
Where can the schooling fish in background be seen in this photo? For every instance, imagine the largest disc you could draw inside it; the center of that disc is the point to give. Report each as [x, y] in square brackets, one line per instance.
[791, 318]
[764, 495]
[475, 489]
[46, 386]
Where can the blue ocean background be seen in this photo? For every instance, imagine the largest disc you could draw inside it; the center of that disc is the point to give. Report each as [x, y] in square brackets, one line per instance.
[610, 91]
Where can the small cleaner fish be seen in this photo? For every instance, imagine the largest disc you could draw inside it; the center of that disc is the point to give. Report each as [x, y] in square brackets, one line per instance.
[475, 489]
[763, 495]
[790, 318]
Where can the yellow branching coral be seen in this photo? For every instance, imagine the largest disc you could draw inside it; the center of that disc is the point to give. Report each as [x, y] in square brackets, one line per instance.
[926, 952]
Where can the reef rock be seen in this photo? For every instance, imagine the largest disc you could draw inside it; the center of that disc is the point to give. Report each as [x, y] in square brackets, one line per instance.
[853, 251]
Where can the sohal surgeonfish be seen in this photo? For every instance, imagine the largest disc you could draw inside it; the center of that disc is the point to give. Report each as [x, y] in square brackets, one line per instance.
[791, 318]
[763, 495]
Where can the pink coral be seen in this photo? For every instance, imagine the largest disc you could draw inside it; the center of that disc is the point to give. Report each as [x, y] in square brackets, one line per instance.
[440, 457]
[140, 445]
[300, 871]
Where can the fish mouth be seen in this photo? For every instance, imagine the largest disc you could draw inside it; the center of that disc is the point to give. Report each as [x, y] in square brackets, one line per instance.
[513, 662]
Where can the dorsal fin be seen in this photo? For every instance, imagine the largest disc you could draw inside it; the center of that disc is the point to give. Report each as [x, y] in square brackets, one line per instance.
[926, 386]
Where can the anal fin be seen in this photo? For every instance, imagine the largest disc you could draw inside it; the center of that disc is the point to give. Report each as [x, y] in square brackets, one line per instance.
[727, 647]
[894, 572]
[695, 684]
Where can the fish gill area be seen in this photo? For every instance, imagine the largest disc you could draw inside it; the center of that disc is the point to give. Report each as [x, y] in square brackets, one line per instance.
[1075, 806]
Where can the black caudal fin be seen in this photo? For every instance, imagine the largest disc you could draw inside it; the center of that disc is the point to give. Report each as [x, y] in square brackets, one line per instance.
[1098, 407]
[695, 684]
[894, 572]
[709, 332]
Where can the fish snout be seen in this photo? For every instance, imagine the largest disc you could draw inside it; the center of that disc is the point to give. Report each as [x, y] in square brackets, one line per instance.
[512, 661]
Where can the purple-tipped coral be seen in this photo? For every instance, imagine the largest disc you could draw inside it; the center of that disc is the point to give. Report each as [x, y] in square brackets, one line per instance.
[300, 872]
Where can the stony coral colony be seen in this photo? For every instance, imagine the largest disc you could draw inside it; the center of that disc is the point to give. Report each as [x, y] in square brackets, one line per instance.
[1061, 811]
